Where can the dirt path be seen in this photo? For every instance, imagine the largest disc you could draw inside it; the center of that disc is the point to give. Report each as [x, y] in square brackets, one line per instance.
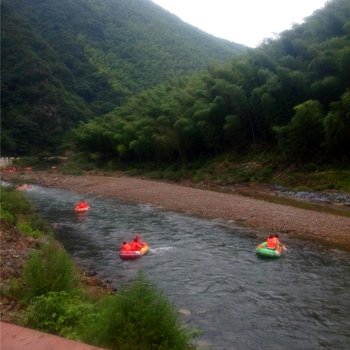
[14, 337]
[262, 215]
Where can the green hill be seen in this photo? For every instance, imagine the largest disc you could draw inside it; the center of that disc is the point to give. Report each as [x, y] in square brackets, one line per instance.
[66, 61]
[290, 96]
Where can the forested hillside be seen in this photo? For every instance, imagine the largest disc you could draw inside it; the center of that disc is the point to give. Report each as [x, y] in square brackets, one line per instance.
[65, 61]
[290, 95]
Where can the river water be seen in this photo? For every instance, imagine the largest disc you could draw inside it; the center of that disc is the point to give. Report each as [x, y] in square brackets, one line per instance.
[208, 269]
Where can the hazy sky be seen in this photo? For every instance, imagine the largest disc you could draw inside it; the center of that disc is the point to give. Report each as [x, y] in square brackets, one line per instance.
[246, 22]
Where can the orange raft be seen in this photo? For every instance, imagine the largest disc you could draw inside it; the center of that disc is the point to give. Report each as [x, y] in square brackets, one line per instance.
[81, 207]
[23, 187]
[134, 254]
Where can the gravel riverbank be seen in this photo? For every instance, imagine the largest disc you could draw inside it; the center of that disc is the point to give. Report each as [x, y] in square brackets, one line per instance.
[259, 214]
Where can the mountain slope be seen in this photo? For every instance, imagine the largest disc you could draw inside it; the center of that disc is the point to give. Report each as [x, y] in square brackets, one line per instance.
[291, 95]
[66, 61]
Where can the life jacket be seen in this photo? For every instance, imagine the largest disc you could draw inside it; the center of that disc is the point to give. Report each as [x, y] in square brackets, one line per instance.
[272, 243]
[141, 242]
[126, 247]
[135, 245]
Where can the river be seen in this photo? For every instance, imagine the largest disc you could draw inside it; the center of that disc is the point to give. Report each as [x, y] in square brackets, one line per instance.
[208, 269]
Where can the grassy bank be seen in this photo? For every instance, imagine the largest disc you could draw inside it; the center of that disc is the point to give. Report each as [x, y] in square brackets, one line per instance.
[53, 297]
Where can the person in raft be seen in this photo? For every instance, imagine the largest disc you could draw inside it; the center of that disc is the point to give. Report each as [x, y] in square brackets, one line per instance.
[138, 238]
[125, 246]
[136, 244]
[273, 242]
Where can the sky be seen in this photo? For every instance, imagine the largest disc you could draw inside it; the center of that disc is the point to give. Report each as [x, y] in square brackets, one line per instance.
[246, 22]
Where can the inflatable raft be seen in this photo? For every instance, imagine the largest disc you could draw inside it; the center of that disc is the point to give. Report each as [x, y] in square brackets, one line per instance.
[23, 187]
[264, 252]
[134, 254]
[81, 207]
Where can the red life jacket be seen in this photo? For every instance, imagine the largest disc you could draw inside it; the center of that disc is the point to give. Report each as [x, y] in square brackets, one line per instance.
[272, 243]
[135, 245]
[126, 247]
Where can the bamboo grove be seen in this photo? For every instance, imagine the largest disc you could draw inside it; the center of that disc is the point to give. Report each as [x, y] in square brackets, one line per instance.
[291, 94]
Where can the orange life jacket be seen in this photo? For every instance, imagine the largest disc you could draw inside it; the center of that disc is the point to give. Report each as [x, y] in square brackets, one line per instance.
[135, 245]
[126, 247]
[272, 243]
[141, 242]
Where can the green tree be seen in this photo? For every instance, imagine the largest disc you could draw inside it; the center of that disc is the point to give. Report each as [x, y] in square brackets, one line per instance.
[302, 138]
[337, 127]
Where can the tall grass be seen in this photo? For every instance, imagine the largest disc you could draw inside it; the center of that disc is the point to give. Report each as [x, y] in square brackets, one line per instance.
[49, 269]
[13, 205]
[16, 210]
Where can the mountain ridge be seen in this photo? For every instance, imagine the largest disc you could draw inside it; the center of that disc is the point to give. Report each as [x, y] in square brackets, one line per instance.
[66, 61]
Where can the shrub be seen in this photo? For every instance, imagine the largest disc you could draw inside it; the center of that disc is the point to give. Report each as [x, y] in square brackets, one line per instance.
[57, 312]
[16, 210]
[137, 318]
[7, 217]
[12, 288]
[28, 230]
[14, 203]
[48, 270]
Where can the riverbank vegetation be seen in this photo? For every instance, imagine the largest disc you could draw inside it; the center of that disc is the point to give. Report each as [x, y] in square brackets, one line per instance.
[53, 297]
[260, 166]
[253, 168]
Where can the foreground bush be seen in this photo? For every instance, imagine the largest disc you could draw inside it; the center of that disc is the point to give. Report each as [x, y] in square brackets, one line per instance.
[137, 318]
[57, 312]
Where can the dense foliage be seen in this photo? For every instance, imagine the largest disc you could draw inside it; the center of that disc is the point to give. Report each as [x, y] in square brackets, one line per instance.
[138, 317]
[292, 94]
[65, 61]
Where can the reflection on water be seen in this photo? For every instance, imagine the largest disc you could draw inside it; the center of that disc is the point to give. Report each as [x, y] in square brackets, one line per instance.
[301, 301]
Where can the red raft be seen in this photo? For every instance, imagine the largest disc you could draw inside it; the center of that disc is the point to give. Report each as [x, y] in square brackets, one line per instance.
[133, 254]
[81, 207]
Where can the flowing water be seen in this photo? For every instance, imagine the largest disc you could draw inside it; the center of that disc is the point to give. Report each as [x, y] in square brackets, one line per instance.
[209, 271]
